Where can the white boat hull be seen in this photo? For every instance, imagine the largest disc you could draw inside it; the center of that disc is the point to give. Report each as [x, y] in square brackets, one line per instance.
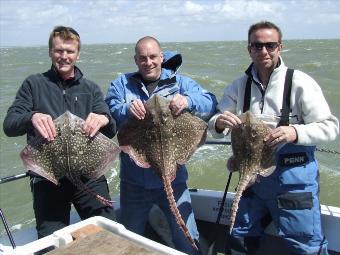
[206, 205]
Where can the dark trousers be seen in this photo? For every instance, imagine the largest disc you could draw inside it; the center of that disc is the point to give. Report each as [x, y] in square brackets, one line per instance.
[52, 203]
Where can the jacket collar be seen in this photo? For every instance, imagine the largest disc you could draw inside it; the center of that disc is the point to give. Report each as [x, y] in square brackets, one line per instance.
[53, 74]
[171, 63]
[252, 72]
[165, 75]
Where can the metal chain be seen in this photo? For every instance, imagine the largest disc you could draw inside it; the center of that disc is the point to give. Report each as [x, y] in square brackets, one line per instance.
[327, 150]
[229, 143]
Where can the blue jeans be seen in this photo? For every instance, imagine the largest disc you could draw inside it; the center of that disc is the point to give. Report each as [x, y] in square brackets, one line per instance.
[136, 203]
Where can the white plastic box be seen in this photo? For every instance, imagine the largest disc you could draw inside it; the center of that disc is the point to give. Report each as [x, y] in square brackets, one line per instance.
[63, 237]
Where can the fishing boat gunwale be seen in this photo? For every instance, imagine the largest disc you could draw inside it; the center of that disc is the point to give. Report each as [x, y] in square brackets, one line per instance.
[206, 205]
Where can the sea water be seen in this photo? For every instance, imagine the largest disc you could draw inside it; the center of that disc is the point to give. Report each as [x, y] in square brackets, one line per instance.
[213, 64]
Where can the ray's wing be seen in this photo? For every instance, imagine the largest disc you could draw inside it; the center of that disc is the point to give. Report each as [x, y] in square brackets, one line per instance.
[238, 141]
[133, 140]
[38, 157]
[104, 151]
[189, 132]
[48, 159]
[266, 154]
[268, 161]
[147, 144]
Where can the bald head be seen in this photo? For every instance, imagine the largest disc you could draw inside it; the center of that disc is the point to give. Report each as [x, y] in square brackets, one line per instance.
[147, 39]
[149, 58]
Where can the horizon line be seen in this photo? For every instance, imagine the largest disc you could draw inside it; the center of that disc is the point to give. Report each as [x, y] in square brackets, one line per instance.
[162, 42]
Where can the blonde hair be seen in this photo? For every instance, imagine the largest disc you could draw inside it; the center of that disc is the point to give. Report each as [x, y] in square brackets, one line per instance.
[65, 33]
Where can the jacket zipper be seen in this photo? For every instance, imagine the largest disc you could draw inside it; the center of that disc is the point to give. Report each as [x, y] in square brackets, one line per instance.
[75, 103]
[261, 103]
[263, 93]
[64, 97]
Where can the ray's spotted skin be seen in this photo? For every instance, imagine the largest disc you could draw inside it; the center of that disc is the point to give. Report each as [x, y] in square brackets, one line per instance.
[72, 154]
[251, 156]
[162, 141]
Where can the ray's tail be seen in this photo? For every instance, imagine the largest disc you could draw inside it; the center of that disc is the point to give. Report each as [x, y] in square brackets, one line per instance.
[175, 211]
[243, 182]
[101, 199]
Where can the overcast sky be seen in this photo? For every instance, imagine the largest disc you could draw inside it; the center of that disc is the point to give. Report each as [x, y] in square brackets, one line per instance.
[29, 22]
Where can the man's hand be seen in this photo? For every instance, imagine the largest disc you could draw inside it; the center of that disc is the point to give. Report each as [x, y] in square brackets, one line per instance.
[280, 135]
[137, 109]
[178, 104]
[93, 123]
[43, 123]
[226, 120]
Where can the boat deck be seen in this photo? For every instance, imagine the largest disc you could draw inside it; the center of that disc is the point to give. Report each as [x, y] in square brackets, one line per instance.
[269, 244]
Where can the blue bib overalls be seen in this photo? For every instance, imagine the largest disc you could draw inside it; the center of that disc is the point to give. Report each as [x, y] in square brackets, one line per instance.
[291, 196]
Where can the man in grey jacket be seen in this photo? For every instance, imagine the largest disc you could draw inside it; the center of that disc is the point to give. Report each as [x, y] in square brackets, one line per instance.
[42, 98]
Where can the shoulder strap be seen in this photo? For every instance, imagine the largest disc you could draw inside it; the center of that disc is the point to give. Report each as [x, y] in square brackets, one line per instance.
[246, 101]
[285, 110]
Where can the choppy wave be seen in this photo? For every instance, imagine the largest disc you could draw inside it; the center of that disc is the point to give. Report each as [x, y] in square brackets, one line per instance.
[212, 64]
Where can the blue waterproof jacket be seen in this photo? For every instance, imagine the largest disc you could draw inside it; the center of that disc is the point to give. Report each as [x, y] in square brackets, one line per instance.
[129, 87]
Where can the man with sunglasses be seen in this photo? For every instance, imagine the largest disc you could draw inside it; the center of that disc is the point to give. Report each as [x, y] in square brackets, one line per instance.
[41, 99]
[292, 103]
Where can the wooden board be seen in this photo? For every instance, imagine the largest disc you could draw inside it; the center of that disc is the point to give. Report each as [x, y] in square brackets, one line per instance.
[92, 240]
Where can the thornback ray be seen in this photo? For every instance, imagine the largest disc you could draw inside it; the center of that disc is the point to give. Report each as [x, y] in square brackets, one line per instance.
[251, 156]
[72, 154]
[163, 141]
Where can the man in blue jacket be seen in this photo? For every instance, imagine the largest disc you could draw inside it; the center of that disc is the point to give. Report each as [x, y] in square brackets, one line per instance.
[140, 188]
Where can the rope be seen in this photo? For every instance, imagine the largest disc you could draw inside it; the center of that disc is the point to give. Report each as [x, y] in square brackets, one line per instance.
[328, 151]
[229, 143]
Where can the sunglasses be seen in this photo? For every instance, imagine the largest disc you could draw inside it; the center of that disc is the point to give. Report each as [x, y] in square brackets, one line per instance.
[65, 29]
[258, 46]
